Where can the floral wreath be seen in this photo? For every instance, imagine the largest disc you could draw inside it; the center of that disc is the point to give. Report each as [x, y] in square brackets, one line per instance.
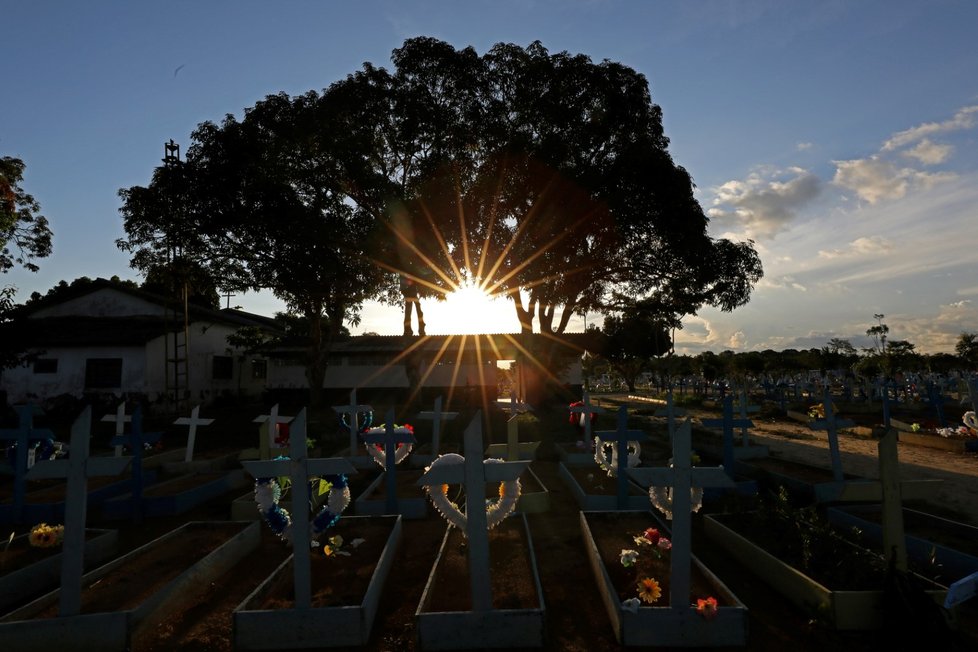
[611, 467]
[268, 492]
[577, 419]
[496, 510]
[379, 452]
[43, 450]
[368, 421]
[661, 498]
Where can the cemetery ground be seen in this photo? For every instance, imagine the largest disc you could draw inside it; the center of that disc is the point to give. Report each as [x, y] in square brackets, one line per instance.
[575, 617]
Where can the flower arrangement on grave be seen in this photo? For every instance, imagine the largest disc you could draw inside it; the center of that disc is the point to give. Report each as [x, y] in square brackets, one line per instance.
[496, 510]
[268, 493]
[817, 411]
[379, 453]
[578, 419]
[969, 428]
[364, 424]
[46, 536]
[661, 497]
[610, 466]
[334, 546]
[651, 561]
[44, 449]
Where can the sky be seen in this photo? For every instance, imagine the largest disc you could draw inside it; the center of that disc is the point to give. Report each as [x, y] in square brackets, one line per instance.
[842, 137]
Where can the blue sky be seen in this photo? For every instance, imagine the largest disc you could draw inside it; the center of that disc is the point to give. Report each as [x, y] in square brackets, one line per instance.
[840, 136]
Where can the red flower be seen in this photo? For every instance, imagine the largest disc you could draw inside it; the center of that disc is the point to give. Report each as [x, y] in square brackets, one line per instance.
[652, 535]
[707, 608]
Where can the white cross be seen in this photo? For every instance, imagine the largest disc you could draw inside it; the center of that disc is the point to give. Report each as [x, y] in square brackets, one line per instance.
[77, 468]
[267, 435]
[474, 474]
[353, 409]
[121, 419]
[193, 421]
[682, 477]
[436, 417]
[299, 469]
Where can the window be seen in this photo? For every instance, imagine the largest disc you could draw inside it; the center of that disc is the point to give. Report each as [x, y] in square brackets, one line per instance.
[46, 366]
[259, 369]
[222, 368]
[103, 373]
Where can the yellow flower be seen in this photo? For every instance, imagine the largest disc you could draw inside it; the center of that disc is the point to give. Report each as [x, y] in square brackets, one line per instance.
[649, 590]
[46, 536]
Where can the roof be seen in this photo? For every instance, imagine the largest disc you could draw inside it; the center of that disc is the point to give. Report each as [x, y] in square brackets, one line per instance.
[87, 331]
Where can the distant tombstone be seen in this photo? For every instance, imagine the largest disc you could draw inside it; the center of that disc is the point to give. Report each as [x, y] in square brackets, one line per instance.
[474, 474]
[352, 411]
[727, 424]
[136, 440]
[586, 409]
[670, 412]
[744, 408]
[682, 477]
[390, 439]
[299, 469]
[436, 417]
[193, 421]
[621, 437]
[936, 398]
[832, 425]
[120, 418]
[21, 438]
[77, 468]
[266, 436]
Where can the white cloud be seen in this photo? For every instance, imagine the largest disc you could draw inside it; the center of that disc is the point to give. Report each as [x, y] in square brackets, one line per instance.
[874, 179]
[963, 119]
[737, 340]
[929, 153]
[860, 247]
[964, 303]
[801, 147]
[782, 282]
[764, 204]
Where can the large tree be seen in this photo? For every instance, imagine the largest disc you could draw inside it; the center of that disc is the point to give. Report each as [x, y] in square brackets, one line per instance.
[260, 203]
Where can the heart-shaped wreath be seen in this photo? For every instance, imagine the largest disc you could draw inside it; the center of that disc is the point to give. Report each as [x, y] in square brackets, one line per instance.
[496, 510]
[267, 495]
[970, 420]
[379, 453]
[661, 498]
[363, 424]
[611, 467]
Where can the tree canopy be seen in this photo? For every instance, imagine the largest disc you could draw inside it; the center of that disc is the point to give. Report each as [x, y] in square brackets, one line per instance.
[24, 232]
[542, 177]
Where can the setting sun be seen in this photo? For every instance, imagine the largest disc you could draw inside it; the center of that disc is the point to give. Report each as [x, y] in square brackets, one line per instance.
[468, 311]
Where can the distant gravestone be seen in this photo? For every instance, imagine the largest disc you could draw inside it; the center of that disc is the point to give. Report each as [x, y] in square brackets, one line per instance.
[353, 411]
[682, 477]
[670, 412]
[436, 417]
[136, 440]
[621, 437]
[727, 424]
[120, 418]
[586, 409]
[77, 468]
[390, 439]
[193, 421]
[266, 436]
[21, 438]
[299, 469]
[832, 425]
[474, 473]
[745, 408]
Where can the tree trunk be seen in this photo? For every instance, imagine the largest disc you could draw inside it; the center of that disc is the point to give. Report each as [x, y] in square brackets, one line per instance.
[316, 360]
[524, 315]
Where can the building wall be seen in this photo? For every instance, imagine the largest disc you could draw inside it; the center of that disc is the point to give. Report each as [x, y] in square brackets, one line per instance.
[105, 302]
[284, 374]
[22, 384]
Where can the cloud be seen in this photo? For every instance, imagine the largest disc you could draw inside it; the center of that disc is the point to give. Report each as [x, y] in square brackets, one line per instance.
[801, 147]
[766, 202]
[963, 119]
[874, 179]
[860, 247]
[782, 282]
[964, 303]
[929, 153]
[737, 340]
[967, 292]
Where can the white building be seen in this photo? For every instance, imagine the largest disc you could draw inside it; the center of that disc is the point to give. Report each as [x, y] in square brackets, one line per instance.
[106, 338]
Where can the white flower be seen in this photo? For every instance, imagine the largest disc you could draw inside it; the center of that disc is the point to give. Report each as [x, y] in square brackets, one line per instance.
[629, 557]
[631, 604]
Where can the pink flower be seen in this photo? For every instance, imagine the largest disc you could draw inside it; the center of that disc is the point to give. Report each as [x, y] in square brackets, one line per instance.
[664, 544]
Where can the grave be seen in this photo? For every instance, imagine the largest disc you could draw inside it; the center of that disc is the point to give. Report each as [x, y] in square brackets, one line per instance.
[436, 416]
[586, 411]
[192, 422]
[397, 445]
[678, 624]
[23, 629]
[534, 497]
[350, 418]
[670, 412]
[243, 507]
[304, 624]
[483, 626]
[726, 425]
[627, 494]
[23, 458]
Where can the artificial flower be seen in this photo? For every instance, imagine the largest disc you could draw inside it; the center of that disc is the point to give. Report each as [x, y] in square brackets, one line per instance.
[631, 604]
[652, 535]
[629, 557]
[46, 536]
[707, 607]
[664, 544]
[649, 590]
